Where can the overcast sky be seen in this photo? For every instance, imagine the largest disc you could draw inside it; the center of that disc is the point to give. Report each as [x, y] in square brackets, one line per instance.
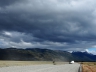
[54, 24]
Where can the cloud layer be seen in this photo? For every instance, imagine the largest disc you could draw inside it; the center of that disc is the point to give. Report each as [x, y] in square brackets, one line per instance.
[54, 24]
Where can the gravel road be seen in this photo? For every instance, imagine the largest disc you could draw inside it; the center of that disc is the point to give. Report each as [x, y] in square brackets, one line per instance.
[43, 68]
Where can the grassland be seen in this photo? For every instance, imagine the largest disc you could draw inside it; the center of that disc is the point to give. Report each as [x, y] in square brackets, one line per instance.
[89, 67]
[24, 63]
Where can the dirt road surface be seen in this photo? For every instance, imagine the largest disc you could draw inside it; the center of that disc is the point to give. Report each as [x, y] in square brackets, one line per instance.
[42, 68]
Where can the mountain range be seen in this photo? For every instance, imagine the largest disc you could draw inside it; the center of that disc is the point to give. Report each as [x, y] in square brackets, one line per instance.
[38, 54]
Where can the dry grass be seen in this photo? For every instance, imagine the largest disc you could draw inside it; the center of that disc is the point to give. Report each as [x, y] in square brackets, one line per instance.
[24, 63]
[89, 66]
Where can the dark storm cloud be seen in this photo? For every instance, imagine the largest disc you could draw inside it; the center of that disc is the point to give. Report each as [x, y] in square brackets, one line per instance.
[4, 3]
[64, 24]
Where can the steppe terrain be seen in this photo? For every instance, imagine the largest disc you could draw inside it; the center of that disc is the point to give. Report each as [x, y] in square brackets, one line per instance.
[22, 63]
[89, 67]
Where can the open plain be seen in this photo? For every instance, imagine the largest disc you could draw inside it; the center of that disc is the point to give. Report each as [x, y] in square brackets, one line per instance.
[88, 66]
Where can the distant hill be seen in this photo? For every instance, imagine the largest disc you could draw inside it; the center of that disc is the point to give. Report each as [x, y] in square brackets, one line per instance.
[83, 56]
[37, 54]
